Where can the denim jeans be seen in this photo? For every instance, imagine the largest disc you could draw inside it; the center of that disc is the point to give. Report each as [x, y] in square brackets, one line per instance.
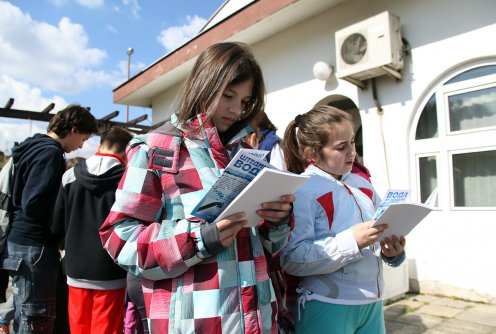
[34, 271]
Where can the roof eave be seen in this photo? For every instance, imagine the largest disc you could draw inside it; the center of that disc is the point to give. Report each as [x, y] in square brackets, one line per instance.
[254, 23]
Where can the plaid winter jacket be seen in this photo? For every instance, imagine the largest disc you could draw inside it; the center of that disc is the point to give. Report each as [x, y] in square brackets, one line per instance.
[188, 286]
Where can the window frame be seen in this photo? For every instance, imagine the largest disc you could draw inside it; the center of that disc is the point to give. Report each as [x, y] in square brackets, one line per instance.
[452, 183]
[439, 180]
[462, 87]
[447, 143]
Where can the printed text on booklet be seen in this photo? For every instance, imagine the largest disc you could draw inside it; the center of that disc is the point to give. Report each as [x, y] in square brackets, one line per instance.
[400, 217]
[246, 182]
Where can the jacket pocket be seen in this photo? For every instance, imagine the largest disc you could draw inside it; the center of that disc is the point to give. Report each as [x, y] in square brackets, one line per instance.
[364, 271]
[11, 263]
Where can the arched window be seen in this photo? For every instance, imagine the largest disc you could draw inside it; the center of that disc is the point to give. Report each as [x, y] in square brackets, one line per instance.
[455, 140]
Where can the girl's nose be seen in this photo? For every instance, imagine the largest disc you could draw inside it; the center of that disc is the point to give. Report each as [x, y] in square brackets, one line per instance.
[236, 109]
[352, 151]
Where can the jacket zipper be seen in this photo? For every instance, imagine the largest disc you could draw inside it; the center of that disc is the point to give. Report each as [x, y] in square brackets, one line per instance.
[373, 245]
[378, 272]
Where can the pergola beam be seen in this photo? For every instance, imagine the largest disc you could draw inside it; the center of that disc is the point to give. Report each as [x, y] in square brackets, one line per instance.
[9, 103]
[110, 116]
[104, 123]
[138, 119]
[48, 108]
[25, 114]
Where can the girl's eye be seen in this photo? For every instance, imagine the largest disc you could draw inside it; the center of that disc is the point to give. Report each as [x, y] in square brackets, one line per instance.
[227, 96]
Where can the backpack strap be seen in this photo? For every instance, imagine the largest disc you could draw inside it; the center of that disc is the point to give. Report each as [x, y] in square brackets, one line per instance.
[6, 179]
[6, 206]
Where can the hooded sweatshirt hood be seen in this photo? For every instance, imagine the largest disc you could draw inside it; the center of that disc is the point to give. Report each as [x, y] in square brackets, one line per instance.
[87, 174]
[33, 146]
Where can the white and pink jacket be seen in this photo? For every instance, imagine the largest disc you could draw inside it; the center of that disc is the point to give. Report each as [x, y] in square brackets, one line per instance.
[322, 250]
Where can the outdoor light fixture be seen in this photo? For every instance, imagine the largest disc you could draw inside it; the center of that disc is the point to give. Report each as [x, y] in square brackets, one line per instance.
[130, 51]
[322, 70]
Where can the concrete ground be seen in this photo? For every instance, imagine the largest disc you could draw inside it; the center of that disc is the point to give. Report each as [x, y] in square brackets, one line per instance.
[423, 313]
[419, 313]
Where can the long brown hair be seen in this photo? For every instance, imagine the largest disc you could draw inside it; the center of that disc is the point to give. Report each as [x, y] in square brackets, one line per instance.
[311, 129]
[217, 68]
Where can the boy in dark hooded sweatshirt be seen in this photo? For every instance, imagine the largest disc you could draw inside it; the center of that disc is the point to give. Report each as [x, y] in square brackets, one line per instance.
[31, 255]
[96, 283]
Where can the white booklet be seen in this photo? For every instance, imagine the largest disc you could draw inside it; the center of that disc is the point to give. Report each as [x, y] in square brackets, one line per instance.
[401, 217]
[268, 186]
[241, 173]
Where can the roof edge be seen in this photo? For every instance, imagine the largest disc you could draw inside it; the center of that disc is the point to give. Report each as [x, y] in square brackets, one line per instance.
[228, 27]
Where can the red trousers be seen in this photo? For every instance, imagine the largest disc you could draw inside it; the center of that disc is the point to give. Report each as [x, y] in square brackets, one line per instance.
[96, 311]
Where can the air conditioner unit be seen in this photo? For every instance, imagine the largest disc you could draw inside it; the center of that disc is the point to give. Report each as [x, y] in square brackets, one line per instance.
[370, 48]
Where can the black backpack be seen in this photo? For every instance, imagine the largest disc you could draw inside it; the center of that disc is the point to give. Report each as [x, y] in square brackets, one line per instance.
[6, 206]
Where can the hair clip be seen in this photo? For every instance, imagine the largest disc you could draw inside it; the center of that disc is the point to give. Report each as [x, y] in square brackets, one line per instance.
[297, 120]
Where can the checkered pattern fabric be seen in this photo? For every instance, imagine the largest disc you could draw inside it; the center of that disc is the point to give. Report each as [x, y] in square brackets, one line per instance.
[150, 233]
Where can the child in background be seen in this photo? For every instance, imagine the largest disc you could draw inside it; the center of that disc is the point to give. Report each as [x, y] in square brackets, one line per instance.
[135, 320]
[96, 285]
[333, 247]
[265, 138]
[32, 254]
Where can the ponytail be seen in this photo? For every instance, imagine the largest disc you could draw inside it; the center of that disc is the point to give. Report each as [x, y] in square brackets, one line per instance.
[311, 130]
[293, 154]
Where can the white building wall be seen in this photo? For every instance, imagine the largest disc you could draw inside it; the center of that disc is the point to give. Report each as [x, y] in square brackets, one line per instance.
[448, 249]
[165, 104]
[443, 35]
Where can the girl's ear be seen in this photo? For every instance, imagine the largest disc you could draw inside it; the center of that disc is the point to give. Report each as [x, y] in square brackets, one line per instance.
[310, 154]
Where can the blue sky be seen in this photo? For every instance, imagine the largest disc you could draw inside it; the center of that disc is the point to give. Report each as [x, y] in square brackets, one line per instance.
[74, 51]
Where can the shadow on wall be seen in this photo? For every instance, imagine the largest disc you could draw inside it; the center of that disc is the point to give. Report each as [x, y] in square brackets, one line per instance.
[413, 281]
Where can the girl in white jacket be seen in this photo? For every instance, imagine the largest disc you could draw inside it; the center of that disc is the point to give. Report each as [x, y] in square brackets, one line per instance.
[333, 249]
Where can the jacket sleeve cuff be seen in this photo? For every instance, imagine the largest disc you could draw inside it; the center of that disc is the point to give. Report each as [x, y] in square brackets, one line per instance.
[289, 220]
[347, 245]
[394, 261]
[211, 238]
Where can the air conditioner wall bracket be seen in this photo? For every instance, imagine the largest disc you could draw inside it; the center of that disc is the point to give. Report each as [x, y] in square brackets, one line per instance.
[358, 83]
[392, 73]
